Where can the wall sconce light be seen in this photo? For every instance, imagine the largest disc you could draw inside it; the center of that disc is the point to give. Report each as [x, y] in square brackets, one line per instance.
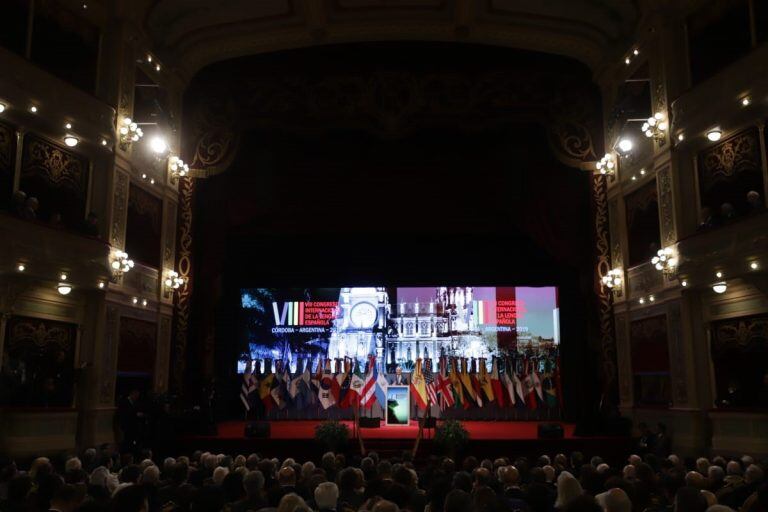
[3, 106]
[613, 279]
[121, 263]
[715, 134]
[177, 167]
[129, 133]
[655, 127]
[720, 287]
[71, 141]
[64, 288]
[173, 281]
[665, 260]
[606, 165]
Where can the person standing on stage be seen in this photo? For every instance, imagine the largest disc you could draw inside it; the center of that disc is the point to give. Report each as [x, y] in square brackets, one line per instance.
[131, 419]
[399, 379]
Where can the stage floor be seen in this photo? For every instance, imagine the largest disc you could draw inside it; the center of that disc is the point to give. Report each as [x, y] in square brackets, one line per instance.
[478, 430]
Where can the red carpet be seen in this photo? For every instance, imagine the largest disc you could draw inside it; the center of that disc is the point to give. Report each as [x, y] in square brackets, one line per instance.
[478, 430]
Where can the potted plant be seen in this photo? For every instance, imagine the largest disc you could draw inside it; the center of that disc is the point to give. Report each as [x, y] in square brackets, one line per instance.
[332, 434]
[451, 437]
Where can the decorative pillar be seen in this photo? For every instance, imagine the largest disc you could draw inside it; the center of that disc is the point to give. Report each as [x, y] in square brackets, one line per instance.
[184, 296]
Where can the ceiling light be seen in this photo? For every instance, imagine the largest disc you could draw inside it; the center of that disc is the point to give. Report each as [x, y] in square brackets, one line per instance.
[68, 126]
[149, 58]
[745, 101]
[33, 109]
[627, 61]
[684, 283]
[720, 287]
[103, 142]
[680, 137]
[642, 172]
[64, 288]
[158, 145]
[21, 267]
[144, 302]
[3, 106]
[754, 265]
[651, 298]
[102, 284]
[635, 52]
[63, 276]
[714, 134]
[718, 275]
[135, 300]
[157, 68]
[625, 146]
[71, 141]
[641, 301]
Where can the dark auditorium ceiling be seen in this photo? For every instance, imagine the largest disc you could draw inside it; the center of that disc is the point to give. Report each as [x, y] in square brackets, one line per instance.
[199, 32]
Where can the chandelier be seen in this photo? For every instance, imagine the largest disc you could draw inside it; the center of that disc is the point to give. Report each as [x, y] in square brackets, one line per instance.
[173, 281]
[177, 167]
[656, 127]
[665, 260]
[121, 263]
[607, 165]
[129, 133]
[613, 279]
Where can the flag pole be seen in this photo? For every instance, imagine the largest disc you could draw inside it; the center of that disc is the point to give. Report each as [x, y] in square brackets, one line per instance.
[421, 431]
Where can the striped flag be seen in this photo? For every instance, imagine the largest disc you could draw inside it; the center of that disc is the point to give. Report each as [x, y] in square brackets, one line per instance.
[496, 384]
[444, 383]
[326, 383]
[248, 386]
[431, 383]
[369, 386]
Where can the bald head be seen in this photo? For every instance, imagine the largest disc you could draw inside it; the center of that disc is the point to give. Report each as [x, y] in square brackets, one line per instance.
[695, 479]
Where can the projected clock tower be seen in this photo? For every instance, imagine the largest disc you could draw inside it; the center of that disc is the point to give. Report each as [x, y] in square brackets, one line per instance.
[358, 330]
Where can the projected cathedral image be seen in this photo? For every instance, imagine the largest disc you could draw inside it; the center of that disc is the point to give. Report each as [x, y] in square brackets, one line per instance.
[417, 323]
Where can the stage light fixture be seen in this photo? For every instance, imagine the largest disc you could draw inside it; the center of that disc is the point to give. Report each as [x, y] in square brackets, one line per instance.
[715, 134]
[121, 263]
[655, 127]
[665, 260]
[71, 141]
[606, 165]
[158, 145]
[613, 279]
[720, 287]
[64, 288]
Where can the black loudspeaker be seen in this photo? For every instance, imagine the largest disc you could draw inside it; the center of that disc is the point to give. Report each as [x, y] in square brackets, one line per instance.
[550, 431]
[430, 422]
[364, 422]
[257, 429]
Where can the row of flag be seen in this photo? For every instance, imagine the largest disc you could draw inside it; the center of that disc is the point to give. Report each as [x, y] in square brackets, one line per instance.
[457, 383]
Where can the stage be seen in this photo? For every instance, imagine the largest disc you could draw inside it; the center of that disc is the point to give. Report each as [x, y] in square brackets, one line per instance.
[296, 438]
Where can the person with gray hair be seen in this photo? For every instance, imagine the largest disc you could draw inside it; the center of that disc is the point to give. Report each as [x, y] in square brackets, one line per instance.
[702, 465]
[568, 488]
[614, 500]
[253, 483]
[326, 496]
[73, 464]
[151, 476]
[716, 476]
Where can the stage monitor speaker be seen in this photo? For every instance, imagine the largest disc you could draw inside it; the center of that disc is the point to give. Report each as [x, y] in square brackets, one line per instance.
[550, 431]
[430, 422]
[369, 422]
[259, 429]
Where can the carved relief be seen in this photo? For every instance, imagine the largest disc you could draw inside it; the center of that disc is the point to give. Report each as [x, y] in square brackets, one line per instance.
[170, 238]
[737, 154]
[111, 333]
[625, 363]
[58, 167]
[666, 207]
[677, 355]
[184, 268]
[740, 331]
[660, 104]
[119, 209]
[605, 302]
[617, 261]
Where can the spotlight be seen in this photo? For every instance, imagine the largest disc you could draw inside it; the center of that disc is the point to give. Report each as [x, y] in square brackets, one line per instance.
[714, 134]
[625, 146]
[33, 109]
[720, 287]
[3, 106]
[64, 288]
[158, 145]
[21, 267]
[71, 141]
